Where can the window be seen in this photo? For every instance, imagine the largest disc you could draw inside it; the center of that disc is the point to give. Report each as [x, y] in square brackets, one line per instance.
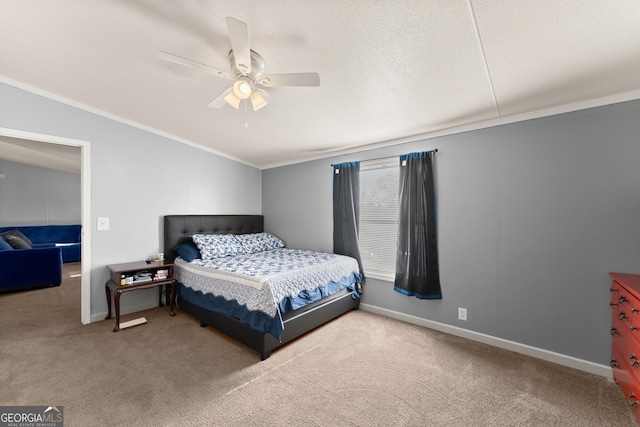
[379, 180]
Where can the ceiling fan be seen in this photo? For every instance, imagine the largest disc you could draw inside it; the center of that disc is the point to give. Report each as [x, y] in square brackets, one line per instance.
[247, 69]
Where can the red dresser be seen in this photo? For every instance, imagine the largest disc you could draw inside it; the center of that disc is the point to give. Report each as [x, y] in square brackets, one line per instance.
[625, 348]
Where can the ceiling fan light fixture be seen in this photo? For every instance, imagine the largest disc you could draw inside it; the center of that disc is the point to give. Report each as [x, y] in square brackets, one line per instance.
[257, 101]
[242, 89]
[233, 100]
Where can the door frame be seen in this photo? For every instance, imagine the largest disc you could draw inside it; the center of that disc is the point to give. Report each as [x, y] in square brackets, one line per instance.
[85, 208]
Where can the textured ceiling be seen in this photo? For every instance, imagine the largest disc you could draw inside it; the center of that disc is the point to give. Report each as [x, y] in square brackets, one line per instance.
[389, 70]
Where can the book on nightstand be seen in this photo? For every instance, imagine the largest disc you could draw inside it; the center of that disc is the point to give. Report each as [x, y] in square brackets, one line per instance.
[142, 277]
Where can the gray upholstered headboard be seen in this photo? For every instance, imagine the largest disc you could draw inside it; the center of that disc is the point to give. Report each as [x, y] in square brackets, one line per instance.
[179, 228]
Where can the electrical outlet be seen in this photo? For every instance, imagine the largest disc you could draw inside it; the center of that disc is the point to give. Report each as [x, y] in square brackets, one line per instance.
[462, 313]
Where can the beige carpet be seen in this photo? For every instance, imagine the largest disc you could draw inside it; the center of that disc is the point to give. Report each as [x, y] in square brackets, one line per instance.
[359, 370]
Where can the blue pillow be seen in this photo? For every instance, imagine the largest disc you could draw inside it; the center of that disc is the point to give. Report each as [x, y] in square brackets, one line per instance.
[188, 251]
[4, 246]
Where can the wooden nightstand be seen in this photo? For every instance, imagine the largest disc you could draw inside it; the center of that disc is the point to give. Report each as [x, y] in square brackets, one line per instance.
[138, 275]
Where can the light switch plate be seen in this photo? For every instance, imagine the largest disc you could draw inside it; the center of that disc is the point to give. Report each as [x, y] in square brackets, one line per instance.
[102, 224]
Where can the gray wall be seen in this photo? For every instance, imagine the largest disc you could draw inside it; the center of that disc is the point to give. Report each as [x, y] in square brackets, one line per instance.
[32, 195]
[136, 178]
[532, 217]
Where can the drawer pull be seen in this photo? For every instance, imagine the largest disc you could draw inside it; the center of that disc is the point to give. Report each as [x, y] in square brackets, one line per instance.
[611, 304]
[634, 310]
[622, 316]
[614, 331]
[633, 361]
[632, 402]
[613, 363]
[633, 328]
[612, 289]
[622, 299]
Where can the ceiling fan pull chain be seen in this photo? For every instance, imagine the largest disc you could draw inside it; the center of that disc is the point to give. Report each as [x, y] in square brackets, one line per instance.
[246, 119]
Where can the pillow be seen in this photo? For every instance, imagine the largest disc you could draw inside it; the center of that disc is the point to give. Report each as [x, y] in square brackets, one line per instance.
[217, 245]
[4, 246]
[17, 233]
[16, 242]
[188, 251]
[258, 242]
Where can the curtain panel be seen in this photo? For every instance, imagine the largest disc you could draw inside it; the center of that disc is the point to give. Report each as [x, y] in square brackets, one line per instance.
[417, 270]
[346, 210]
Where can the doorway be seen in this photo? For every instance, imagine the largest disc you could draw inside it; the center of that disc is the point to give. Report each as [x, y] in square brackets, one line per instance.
[85, 208]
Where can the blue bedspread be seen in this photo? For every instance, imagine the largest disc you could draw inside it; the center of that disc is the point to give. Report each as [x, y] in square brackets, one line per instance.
[257, 288]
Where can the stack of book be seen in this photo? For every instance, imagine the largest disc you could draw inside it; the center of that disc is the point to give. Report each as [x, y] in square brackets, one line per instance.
[141, 277]
[162, 274]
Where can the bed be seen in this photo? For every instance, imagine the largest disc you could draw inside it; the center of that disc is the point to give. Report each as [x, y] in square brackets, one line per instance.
[239, 318]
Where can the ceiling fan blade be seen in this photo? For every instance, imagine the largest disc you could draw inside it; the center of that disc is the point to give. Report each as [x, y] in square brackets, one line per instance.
[239, 36]
[220, 102]
[193, 64]
[292, 79]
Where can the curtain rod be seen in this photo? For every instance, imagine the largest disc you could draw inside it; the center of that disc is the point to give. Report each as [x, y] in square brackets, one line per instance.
[435, 150]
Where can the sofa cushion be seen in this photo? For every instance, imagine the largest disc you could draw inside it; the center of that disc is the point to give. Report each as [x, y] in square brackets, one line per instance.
[43, 245]
[33, 268]
[16, 242]
[4, 246]
[17, 233]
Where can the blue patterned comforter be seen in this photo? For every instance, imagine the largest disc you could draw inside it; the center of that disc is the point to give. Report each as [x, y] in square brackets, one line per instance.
[257, 288]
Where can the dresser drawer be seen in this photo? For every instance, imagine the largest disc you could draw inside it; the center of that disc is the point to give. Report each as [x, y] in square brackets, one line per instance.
[624, 318]
[628, 344]
[623, 325]
[623, 300]
[627, 382]
[615, 293]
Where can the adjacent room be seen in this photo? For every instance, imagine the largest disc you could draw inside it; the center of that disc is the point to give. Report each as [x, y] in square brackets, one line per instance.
[150, 142]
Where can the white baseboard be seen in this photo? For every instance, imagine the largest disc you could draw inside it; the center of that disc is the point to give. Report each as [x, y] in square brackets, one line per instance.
[549, 356]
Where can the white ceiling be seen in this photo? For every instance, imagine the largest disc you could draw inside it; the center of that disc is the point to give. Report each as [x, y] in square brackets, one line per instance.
[389, 70]
[52, 156]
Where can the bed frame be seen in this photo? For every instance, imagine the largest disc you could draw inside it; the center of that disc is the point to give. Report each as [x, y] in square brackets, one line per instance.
[179, 228]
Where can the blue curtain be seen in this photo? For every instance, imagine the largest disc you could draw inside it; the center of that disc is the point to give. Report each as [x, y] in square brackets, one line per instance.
[346, 210]
[417, 271]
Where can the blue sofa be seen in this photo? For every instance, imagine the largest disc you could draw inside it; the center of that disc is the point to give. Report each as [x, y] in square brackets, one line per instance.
[39, 264]
[67, 237]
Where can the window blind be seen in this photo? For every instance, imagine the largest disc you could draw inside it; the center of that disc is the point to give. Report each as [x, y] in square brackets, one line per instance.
[378, 232]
